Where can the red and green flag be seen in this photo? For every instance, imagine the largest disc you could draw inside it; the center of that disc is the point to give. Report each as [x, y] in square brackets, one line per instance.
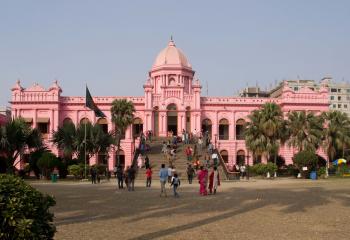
[89, 103]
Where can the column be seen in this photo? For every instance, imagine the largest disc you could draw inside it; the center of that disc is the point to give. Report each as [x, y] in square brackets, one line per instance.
[232, 129]
[51, 123]
[56, 119]
[35, 118]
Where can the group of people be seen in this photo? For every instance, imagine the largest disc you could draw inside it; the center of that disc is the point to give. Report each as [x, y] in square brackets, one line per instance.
[128, 176]
[206, 181]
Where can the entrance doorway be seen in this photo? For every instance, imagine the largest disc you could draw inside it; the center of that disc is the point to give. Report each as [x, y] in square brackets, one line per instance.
[172, 119]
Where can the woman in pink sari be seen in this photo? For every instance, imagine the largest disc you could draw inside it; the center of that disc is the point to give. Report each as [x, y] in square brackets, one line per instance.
[203, 178]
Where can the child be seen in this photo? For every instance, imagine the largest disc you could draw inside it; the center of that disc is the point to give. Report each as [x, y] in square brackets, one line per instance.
[175, 183]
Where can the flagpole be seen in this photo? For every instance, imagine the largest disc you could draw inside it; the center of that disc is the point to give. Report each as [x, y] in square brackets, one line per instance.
[85, 137]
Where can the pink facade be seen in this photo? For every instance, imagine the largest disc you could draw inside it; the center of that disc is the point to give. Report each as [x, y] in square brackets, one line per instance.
[172, 101]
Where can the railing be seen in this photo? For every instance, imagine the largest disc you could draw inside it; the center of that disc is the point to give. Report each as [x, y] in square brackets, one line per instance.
[173, 93]
[228, 174]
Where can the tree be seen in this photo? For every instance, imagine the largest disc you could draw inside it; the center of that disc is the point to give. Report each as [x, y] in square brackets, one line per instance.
[254, 137]
[100, 140]
[122, 115]
[307, 159]
[305, 130]
[65, 138]
[47, 162]
[15, 137]
[71, 140]
[336, 135]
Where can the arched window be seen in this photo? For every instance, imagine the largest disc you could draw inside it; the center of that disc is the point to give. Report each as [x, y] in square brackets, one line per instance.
[224, 155]
[223, 129]
[67, 120]
[240, 158]
[207, 127]
[240, 124]
[137, 127]
[84, 121]
[104, 124]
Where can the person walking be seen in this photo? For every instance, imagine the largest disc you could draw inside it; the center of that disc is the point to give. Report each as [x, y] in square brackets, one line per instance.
[243, 171]
[215, 158]
[119, 174]
[170, 173]
[175, 183]
[214, 180]
[149, 177]
[190, 173]
[200, 145]
[163, 176]
[131, 178]
[93, 175]
[147, 164]
[188, 152]
[202, 178]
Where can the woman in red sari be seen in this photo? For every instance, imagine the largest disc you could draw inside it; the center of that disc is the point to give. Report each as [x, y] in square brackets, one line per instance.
[203, 177]
[214, 180]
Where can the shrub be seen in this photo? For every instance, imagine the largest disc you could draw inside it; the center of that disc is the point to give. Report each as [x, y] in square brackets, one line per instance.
[263, 169]
[76, 170]
[306, 159]
[47, 162]
[101, 168]
[321, 171]
[24, 211]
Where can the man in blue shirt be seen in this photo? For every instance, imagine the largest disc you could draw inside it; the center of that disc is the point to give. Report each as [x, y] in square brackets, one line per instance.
[163, 176]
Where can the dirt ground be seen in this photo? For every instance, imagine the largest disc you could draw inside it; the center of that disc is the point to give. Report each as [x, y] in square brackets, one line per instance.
[258, 209]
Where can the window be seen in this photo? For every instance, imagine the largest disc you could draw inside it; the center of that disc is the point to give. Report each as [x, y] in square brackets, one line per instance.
[333, 90]
[296, 88]
[334, 106]
[339, 98]
[339, 90]
[43, 128]
[345, 106]
[339, 105]
[348, 90]
[332, 97]
[347, 98]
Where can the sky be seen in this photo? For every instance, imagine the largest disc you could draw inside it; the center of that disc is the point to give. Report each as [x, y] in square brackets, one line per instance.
[111, 45]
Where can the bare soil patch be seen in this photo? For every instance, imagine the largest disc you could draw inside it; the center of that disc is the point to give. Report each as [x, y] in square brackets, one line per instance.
[258, 209]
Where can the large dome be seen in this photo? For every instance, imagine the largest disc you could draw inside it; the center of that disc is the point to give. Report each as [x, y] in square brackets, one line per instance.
[172, 56]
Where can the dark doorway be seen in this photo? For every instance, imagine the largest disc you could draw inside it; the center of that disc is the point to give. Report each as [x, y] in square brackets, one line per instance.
[172, 119]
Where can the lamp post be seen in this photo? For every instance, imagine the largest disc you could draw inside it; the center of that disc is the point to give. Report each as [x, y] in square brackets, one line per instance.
[215, 139]
[248, 165]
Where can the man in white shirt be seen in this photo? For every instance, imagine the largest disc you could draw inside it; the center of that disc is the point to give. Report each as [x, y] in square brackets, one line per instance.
[170, 174]
[215, 157]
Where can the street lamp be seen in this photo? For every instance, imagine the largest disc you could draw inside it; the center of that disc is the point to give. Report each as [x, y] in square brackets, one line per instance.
[248, 165]
[215, 139]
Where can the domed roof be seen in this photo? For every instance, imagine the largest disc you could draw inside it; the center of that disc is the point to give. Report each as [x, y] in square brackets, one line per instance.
[171, 55]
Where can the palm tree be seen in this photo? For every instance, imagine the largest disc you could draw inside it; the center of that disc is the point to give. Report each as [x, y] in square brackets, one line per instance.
[122, 115]
[15, 137]
[65, 139]
[100, 140]
[305, 130]
[254, 137]
[336, 135]
[273, 128]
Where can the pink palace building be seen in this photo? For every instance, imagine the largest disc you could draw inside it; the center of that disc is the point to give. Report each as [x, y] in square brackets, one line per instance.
[172, 101]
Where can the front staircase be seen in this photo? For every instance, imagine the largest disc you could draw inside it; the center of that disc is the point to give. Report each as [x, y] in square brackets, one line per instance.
[156, 158]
